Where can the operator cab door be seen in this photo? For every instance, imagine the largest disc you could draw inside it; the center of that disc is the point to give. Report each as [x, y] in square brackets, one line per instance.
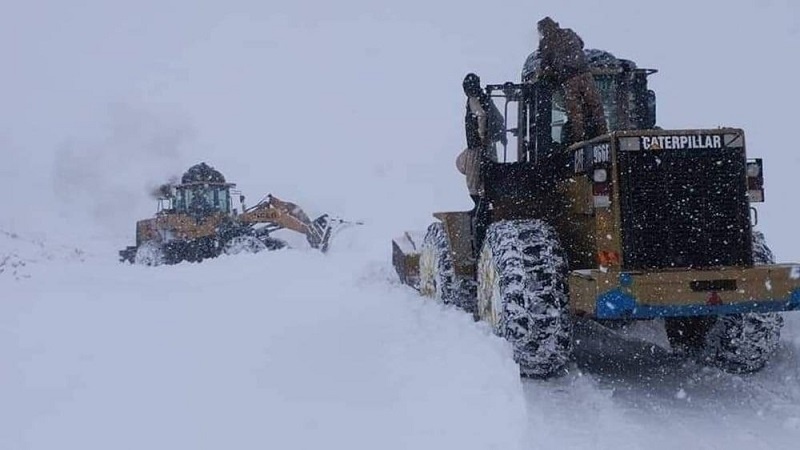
[521, 185]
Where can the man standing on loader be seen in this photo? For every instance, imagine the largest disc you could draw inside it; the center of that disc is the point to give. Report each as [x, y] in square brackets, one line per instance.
[564, 63]
[484, 126]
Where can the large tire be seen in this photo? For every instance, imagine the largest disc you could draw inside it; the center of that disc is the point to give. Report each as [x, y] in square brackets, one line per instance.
[149, 254]
[128, 254]
[738, 343]
[244, 244]
[762, 254]
[523, 294]
[199, 249]
[437, 278]
[743, 343]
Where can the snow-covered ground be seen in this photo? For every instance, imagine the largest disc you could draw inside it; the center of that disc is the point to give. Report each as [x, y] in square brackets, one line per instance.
[629, 393]
[294, 349]
[290, 349]
[351, 107]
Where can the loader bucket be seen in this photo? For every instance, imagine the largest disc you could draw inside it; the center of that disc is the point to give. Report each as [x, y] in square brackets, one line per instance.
[324, 228]
[405, 256]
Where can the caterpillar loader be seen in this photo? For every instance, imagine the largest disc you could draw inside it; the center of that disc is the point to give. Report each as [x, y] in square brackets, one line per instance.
[196, 220]
[639, 223]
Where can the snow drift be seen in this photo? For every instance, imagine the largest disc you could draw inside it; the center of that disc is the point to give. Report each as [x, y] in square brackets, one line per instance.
[287, 349]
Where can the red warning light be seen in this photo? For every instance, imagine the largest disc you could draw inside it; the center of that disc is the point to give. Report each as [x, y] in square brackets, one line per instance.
[608, 258]
[714, 299]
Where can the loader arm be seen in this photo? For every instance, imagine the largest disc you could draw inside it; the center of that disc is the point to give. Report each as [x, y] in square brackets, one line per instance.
[290, 216]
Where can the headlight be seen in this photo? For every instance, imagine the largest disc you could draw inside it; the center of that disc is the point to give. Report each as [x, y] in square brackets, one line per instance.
[600, 175]
[753, 170]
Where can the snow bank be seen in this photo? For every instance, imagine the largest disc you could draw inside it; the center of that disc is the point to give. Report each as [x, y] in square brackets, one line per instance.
[289, 349]
[18, 252]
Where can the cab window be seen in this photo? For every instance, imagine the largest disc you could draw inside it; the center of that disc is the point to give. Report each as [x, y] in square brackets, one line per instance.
[606, 85]
[215, 198]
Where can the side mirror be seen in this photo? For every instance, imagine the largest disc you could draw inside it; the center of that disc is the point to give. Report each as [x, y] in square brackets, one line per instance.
[650, 119]
[755, 180]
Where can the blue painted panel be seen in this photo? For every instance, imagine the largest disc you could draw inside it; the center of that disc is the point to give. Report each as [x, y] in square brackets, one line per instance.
[617, 304]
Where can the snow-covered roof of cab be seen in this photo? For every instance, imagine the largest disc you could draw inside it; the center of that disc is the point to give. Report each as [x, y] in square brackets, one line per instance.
[202, 173]
[598, 59]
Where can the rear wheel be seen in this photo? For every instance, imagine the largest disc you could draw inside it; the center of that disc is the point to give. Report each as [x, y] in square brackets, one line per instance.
[522, 293]
[738, 343]
[437, 277]
[742, 343]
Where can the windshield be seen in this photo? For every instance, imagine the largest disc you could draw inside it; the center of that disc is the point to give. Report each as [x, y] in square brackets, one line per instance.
[607, 86]
[203, 198]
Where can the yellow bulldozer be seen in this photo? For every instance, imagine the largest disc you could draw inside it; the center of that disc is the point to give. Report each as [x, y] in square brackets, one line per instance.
[196, 220]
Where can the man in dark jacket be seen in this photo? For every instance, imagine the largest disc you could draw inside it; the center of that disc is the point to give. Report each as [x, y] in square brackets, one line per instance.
[564, 63]
[485, 126]
[483, 122]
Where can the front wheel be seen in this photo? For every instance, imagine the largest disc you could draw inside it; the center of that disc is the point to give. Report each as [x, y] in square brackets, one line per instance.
[742, 343]
[149, 254]
[523, 294]
[738, 343]
[243, 244]
[437, 278]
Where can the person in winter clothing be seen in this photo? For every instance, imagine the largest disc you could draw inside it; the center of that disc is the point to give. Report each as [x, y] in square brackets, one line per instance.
[469, 163]
[484, 126]
[564, 63]
[483, 122]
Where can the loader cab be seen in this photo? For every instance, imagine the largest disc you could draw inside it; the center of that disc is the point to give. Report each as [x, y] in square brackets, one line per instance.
[543, 123]
[532, 176]
[203, 191]
[203, 198]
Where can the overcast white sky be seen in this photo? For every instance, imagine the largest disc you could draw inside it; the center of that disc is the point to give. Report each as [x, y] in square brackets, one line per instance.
[352, 106]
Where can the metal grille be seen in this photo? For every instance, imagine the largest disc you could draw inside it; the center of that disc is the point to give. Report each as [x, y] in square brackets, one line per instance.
[684, 208]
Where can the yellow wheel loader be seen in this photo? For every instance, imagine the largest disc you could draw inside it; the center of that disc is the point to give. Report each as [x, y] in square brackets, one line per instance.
[639, 223]
[196, 220]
